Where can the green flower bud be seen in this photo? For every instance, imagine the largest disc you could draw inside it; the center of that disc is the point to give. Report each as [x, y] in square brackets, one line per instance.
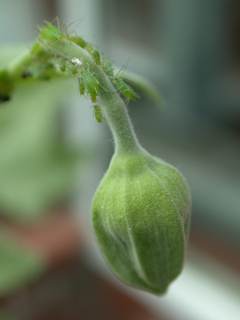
[141, 210]
[141, 214]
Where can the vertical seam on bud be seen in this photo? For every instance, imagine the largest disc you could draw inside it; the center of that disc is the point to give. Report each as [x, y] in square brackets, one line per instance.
[134, 254]
[156, 231]
[155, 227]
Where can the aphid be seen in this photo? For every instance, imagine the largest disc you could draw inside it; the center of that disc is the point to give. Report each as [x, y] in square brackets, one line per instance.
[26, 74]
[50, 32]
[64, 28]
[90, 83]
[98, 113]
[36, 49]
[55, 31]
[94, 53]
[108, 68]
[124, 89]
[97, 57]
[79, 41]
[4, 98]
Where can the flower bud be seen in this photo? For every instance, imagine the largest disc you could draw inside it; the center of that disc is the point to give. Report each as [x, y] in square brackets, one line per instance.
[141, 214]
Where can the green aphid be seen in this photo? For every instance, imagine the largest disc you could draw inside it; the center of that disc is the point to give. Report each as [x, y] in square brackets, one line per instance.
[108, 68]
[91, 84]
[98, 113]
[93, 95]
[50, 32]
[79, 41]
[94, 53]
[97, 57]
[124, 89]
[36, 49]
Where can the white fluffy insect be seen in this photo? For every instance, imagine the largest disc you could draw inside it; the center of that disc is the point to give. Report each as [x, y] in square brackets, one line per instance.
[76, 62]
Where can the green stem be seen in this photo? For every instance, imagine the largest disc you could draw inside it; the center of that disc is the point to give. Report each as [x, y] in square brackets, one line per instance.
[115, 112]
[19, 65]
[114, 108]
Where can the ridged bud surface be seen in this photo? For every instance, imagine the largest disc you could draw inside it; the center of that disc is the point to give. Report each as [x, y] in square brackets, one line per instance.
[141, 214]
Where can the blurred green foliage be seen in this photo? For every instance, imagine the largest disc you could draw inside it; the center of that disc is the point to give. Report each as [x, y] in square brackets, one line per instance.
[17, 264]
[9, 53]
[37, 166]
[6, 316]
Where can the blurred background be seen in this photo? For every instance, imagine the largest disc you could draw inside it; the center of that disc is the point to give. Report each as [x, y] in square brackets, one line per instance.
[53, 155]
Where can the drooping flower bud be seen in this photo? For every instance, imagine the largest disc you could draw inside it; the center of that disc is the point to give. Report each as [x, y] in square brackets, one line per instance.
[141, 214]
[141, 210]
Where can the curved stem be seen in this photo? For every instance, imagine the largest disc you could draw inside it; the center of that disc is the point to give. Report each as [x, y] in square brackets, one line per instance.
[19, 65]
[115, 112]
[114, 108]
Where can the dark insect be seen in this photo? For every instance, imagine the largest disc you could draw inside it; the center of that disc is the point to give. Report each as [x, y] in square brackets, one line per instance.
[6, 86]
[26, 74]
[4, 98]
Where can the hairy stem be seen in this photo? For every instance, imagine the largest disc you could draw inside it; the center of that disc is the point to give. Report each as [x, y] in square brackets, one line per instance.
[119, 122]
[19, 65]
[114, 108]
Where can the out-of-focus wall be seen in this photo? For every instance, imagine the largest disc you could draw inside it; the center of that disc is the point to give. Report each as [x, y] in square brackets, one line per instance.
[19, 20]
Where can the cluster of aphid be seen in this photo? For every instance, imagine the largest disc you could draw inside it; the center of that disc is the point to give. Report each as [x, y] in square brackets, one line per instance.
[45, 65]
[88, 81]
